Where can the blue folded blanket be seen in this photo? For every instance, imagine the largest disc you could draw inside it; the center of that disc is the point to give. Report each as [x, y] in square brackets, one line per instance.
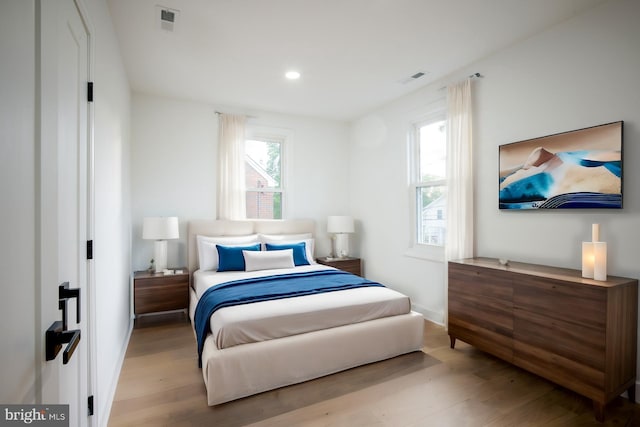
[269, 288]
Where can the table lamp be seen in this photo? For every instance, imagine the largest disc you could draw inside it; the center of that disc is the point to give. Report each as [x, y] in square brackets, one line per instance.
[340, 226]
[594, 256]
[160, 229]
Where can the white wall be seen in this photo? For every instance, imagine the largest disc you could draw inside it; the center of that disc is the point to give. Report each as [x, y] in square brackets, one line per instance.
[17, 189]
[112, 237]
[380, 200]
[173, 168]
[580, 73]
[174, 152]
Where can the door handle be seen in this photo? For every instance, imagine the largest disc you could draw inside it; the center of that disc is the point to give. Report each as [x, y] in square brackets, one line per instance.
[64, 293]
[73, 338]
[57, 334]
[55, 337]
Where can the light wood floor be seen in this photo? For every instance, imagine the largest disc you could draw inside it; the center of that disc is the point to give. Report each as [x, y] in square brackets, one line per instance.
[160, 385]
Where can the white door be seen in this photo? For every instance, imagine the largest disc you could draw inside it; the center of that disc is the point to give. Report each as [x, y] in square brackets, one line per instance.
[64, 197]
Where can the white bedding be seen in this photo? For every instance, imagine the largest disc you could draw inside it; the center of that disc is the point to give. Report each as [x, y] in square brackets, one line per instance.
[266, 320]
[251, 368]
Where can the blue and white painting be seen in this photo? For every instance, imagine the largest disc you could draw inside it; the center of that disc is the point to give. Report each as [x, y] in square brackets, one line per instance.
[577, 169]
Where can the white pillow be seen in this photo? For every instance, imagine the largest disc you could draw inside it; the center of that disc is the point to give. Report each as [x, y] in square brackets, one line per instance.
[300, 236]
[266, 260]
[309, 243]
[208, 254]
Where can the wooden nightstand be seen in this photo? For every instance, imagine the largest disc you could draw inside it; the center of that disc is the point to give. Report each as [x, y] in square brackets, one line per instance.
[160, 292]
[348, 264]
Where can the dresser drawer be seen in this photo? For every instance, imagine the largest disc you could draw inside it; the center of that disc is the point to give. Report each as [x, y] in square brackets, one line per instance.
[481, 309]
[573, 375]
[481, 297]
[490, 313]
[498, 344]
[470, 280]
[580, 305]
[582, 344]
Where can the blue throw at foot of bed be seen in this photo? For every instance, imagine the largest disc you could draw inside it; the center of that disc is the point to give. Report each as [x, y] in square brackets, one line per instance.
[269, 288]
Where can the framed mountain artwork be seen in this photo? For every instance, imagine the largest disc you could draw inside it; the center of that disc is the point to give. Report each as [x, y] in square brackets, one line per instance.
[580, 169]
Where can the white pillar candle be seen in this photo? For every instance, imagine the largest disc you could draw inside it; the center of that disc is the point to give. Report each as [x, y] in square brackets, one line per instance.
[587, 260]
[595, 232]
[600, 261]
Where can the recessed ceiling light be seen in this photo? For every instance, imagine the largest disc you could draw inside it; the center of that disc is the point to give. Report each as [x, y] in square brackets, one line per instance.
[292, 75]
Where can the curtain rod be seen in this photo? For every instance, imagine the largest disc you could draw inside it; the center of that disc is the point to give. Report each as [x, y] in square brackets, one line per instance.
[472, 76]
[247, 116]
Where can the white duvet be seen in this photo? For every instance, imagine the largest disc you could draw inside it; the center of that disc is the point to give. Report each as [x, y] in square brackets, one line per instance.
[267, 320]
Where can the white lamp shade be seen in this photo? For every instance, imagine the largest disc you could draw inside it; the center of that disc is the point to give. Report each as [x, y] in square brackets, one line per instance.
[160, 228]
[340, 224]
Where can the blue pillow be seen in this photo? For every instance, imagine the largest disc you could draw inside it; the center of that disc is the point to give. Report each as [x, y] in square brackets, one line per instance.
[230, 258]
[299, 251]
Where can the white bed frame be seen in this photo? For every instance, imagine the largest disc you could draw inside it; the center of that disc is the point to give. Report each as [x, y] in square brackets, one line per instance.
[247, 369]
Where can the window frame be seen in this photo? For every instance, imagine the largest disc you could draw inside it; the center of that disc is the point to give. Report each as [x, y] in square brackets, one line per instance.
[284, 138]
[418, 249]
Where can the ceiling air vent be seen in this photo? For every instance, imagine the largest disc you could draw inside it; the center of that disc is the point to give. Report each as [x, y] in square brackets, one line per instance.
[412, 77]
[168, 18]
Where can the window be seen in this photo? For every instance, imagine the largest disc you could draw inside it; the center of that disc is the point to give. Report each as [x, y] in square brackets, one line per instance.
[429, 181]
[263, 177]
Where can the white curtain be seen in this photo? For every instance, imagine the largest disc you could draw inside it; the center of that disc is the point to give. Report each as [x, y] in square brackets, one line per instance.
[459, 172]
[459, 243]
[231, 202]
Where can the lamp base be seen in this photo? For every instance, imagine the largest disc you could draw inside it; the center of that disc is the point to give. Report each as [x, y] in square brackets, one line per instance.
[341, 249]
[160, 255]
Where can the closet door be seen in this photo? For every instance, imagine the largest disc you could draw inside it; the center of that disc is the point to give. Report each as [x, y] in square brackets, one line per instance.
[64, 140]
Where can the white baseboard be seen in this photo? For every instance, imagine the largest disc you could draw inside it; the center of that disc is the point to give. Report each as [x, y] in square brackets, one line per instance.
[104, 412]
[430, 315]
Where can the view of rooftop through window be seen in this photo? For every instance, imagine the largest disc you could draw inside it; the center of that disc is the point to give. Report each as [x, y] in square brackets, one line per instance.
[431, 190]
[263, 178]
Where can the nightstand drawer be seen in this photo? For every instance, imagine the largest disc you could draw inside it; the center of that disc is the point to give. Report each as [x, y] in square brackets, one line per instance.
[158, 292]
[350, 265]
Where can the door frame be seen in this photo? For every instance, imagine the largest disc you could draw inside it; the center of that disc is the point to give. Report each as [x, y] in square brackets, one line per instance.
[89, 299]
[91, 290]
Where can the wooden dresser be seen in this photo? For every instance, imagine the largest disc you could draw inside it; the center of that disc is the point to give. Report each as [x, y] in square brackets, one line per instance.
[579, 333]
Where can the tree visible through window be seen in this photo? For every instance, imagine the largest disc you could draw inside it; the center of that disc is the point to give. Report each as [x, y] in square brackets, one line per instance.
[430, 184]
[263, 178]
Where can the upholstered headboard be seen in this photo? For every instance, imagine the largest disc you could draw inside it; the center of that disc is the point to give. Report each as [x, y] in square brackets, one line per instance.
[215, 227]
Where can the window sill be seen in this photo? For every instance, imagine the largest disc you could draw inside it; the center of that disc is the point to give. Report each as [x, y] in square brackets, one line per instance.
[426, 252]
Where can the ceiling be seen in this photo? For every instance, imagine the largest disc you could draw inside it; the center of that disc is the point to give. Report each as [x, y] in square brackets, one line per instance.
[352, 54]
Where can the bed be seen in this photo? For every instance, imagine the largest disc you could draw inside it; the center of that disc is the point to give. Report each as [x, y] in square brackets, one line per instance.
[270, 344]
